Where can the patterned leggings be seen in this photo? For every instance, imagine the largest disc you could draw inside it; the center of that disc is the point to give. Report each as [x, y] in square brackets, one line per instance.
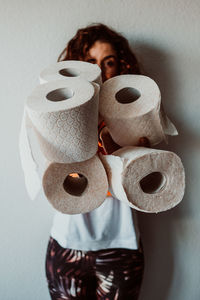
[105, 274]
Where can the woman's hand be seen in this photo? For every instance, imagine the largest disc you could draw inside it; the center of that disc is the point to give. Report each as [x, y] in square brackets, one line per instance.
[144, 142]
[110, 146]
[107, 142]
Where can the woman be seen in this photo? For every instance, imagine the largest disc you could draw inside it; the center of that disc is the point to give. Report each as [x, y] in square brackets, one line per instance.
[97, 255]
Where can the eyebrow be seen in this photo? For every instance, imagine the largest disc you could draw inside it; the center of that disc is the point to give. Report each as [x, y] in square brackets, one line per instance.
[106, 57]
[109, 56]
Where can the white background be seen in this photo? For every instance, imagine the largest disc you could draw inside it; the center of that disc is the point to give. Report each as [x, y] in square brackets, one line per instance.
[166, 37]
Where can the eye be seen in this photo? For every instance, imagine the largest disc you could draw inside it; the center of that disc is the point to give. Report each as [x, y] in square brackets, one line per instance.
[110, 63]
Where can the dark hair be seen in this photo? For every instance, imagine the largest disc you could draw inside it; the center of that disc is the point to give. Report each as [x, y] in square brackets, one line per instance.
[80, 44]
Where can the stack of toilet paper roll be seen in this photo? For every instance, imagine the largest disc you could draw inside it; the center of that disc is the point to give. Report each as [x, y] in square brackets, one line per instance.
[64, 112]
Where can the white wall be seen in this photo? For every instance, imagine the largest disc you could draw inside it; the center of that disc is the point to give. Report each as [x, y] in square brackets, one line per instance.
[165, 35]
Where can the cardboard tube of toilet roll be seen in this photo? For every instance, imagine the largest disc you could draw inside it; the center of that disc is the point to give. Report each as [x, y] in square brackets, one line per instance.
[131, 107]
[77, 187]
[64, 114]
[71, 68]
[146, 179]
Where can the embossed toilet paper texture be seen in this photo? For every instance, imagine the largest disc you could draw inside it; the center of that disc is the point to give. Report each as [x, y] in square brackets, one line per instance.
[129, 165]
[66, 134]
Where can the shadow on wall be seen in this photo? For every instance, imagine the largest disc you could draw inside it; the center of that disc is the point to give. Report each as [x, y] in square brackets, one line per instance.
[159, 231]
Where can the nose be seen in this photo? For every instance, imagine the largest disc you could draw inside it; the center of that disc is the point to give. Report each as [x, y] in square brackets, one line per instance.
[99, 64]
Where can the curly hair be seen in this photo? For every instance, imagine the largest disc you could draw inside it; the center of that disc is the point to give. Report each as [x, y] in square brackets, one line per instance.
[79, 45]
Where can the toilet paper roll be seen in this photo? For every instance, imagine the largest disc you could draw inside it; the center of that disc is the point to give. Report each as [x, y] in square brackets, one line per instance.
[71, 68]
[64, 114]
[131, 108]
[72, 195]
[146, 179]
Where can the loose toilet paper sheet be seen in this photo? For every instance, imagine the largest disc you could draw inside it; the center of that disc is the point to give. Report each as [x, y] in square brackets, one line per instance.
[28, 160]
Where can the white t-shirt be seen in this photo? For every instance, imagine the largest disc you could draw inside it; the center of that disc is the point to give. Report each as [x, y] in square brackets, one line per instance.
[112, 225]
[109, 226]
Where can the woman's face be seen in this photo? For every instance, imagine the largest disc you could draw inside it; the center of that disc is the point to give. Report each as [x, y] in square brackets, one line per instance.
[103, 54]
